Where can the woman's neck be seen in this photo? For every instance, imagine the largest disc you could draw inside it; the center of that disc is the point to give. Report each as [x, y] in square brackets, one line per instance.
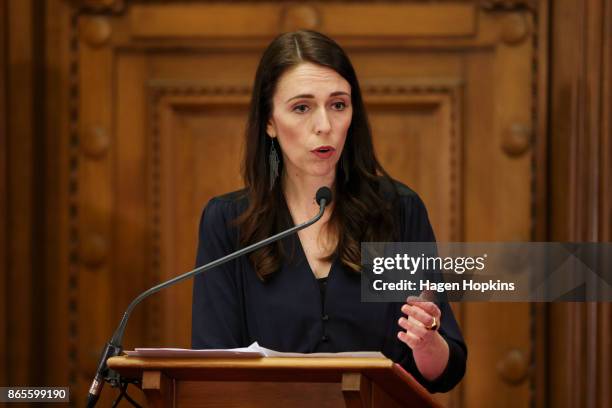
[300, 192]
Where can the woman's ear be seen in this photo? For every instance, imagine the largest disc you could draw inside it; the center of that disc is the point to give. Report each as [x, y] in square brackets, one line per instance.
[271, 129]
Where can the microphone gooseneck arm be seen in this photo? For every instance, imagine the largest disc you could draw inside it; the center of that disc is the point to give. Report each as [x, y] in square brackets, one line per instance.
[114, 347]
[118, 336]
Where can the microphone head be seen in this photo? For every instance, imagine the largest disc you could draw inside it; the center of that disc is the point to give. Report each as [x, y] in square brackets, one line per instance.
[324, 193]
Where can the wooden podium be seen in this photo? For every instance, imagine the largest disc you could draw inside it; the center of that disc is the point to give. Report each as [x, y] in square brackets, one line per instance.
[273, 382]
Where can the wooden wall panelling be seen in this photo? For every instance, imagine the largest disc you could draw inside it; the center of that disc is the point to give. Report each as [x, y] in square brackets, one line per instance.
[539, 328]
[40, 190]
[425, 117]
[603, 200]
[580, 362]
[198, 125]
[433, 97]
[513, 127]
[25, 193]
[3, 197]
[540, 118]
[131, 233]
[171, 50]
[578, 38]
[493, 33]
[603, 345]
[60, 343]
[130, 188]
[606, 124]
[267, 19]
[185, 148]
[101, 6]
[168, 131]
[20, 147]
[72, 266]
[498, 144]
[431, 164]
[97, 274]
[501, 81]
[496, 205]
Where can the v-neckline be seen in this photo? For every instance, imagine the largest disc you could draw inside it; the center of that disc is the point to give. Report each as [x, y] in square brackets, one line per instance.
[301, 247]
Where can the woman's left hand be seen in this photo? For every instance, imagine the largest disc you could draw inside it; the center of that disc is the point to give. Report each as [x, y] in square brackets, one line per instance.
[429, 349]
[421, 324]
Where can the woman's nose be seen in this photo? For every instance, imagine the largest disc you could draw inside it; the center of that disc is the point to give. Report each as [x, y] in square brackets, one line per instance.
[322, 125]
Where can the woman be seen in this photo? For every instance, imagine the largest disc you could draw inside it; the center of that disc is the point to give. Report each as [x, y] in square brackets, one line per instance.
[307, 128]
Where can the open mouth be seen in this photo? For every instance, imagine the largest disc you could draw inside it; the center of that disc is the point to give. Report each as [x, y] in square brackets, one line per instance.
[324, 149]
[324, 152]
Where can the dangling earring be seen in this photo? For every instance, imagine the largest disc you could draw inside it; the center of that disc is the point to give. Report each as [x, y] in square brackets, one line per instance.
[273, 160]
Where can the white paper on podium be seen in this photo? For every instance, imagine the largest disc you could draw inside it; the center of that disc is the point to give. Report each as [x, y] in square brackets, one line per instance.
[253, 351]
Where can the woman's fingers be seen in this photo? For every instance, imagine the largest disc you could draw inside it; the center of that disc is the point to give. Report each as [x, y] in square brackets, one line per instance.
[419, 314]
[412, 326]
[428, 307]
[410, 339]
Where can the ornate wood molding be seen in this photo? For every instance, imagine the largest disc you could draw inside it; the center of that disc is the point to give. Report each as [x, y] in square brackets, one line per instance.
[581, 157]
[514, 29]
[99, 6]
[163, 95]
[452, 91]
[73, 209]
[4, 130]
[95, 30]
[296, 16]
[119, 6]
[96, 142]
[508, 5]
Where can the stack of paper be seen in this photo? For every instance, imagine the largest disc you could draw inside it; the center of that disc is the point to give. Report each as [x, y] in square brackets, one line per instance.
[253, 351]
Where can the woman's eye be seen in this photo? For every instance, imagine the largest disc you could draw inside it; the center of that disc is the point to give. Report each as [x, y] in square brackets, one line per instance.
[339, 105]
[300, 108]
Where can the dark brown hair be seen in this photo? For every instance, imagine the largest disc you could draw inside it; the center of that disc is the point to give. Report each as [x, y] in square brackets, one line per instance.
[361, 213]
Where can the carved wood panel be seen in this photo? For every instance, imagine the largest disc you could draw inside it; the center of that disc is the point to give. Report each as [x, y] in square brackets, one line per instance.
[196, 146]
[3, 199]
[418, 138]
[192, 124]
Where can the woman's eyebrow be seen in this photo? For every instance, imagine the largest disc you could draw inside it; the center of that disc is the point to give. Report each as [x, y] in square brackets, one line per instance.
[311, 96]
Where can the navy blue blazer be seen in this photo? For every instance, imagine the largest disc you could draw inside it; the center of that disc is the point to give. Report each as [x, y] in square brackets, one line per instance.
[232, 307]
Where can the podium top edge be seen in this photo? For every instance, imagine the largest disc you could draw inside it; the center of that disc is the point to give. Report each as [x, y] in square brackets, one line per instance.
[330, 363]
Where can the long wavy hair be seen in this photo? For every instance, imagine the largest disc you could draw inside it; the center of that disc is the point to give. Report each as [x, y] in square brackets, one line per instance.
[361, 213]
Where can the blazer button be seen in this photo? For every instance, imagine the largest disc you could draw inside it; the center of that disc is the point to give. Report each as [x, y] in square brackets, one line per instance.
[325, 338]
[325, 317]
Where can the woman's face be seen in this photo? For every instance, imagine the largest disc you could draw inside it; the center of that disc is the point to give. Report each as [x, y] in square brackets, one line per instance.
[311, 115]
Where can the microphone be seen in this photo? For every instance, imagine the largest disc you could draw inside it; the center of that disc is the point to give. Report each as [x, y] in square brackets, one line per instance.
[324, 195]
[114, 348]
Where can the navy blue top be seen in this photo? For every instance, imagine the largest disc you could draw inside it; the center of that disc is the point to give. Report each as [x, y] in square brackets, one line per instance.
[232, 307]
